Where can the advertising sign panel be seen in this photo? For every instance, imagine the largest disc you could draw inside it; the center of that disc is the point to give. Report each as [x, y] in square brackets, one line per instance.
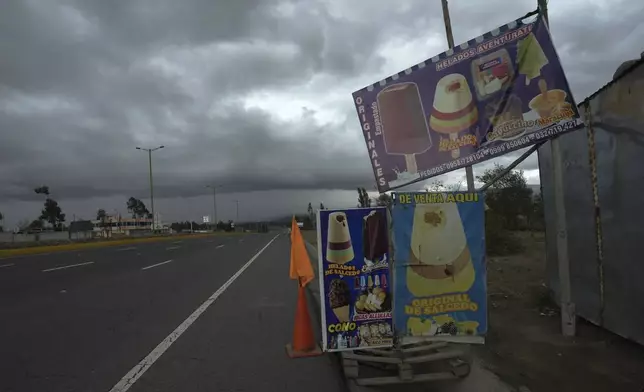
[497, 93]
[439, 269]
[355, 284]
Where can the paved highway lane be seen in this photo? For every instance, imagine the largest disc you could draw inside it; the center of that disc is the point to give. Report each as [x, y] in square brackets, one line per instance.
[238, 344]
[27, 276]
[83, 327]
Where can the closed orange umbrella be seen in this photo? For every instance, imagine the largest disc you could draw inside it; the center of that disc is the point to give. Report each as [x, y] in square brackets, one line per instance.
[301, 268]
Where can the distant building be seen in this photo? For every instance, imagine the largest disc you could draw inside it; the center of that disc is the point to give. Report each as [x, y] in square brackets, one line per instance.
[82, 229]
[120, 225]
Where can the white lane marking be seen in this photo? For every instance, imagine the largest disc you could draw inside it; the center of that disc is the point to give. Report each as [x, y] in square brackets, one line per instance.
[130, 248]
[176, 242]
[137, 371]
[67, 266]
[219, 246]
[173, 247]
[156, 265]
[7, 265]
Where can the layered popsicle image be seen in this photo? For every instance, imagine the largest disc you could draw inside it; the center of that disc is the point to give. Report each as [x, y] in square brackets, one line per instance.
[453, 110]
[339, 249]
[375, 243]
[440, 260]
[530, 57]
[403, 123]
[339, 299]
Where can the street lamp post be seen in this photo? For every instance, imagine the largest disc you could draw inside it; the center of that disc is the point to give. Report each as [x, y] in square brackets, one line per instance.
[150, 150]
[237, 219]
[214, 201]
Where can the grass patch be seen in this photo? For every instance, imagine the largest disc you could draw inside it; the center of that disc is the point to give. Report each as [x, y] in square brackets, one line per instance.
[98, 244]
[310, 236]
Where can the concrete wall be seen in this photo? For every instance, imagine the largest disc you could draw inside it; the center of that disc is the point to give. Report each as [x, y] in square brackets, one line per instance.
[46, 236]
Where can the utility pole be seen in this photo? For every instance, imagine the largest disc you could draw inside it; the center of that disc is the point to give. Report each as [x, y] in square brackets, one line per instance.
[469, 173]
[568, 311]
[150, 150]
[214, 201]
[237, 219]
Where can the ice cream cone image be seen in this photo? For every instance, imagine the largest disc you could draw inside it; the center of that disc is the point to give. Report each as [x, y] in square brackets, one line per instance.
[454, 110]
[342, 313]
[339, 249]
[339, 297]
[440, 260]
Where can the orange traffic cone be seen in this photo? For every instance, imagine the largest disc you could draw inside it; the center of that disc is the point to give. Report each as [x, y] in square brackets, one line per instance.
[303, 344]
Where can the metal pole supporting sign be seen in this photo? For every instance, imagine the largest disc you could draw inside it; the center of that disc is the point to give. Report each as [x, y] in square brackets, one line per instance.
[469, 173]
[568, 313]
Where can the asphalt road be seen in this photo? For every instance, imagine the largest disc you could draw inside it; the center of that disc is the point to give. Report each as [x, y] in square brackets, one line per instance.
[164, 316]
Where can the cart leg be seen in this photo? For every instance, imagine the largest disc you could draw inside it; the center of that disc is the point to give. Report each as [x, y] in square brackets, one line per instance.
[351, 368]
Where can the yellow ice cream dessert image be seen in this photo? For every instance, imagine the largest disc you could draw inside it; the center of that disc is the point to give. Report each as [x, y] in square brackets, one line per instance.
[421, 327]
[440, 260]
[339, 249]
[467, 327]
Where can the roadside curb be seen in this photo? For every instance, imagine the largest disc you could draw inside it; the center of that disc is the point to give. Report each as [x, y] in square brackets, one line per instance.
[7, 253]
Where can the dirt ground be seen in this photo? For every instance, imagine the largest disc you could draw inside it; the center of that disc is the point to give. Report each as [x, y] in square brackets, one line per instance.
[524, 346]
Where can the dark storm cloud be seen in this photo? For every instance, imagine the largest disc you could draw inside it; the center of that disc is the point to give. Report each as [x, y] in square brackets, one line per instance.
[99, 55]
[83, 82]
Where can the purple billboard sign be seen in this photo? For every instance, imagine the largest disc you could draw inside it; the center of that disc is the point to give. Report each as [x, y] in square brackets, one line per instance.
[491, 95]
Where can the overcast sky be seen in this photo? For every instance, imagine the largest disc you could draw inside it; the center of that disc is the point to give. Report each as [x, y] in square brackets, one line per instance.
[251, 94]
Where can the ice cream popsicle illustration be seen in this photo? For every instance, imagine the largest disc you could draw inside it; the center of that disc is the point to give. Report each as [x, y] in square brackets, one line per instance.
[374, 236]
[530, 57]
[339, 298]
[369, 282]
[339, 249]
[376, 281]
[363, 282]
[440, 260]
[383, 281]
[404, 125]
[454, 110]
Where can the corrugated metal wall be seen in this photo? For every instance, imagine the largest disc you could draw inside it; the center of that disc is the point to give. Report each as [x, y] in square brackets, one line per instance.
[604, 198]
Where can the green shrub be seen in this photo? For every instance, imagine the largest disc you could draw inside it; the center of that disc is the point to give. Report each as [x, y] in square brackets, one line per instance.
[498, 240]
